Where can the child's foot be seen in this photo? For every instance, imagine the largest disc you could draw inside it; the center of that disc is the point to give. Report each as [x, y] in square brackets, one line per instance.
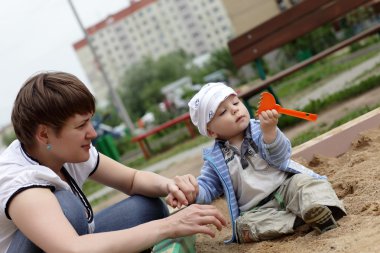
[320, 218]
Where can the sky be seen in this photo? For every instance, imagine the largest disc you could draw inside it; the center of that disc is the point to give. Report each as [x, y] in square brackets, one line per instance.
[38, 35]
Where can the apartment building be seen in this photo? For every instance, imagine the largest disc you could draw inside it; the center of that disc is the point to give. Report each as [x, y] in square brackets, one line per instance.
[151, 28]
[246, 14]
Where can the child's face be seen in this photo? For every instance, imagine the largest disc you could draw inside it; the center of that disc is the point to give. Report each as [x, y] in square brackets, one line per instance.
[230, 119]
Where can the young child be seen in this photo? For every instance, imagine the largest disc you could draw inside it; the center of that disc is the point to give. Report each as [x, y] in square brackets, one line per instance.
[268, 194]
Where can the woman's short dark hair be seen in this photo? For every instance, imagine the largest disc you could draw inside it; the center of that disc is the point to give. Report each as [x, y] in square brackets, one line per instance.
[49, 98]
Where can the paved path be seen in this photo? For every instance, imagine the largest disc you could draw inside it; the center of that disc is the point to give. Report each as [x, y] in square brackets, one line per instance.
[177, 158]
[339, 82]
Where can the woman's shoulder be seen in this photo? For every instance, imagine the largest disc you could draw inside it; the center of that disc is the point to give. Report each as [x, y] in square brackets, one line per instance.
[18, 169]
[12, 154]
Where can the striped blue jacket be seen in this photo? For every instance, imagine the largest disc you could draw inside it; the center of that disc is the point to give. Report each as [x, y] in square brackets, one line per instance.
[215, 179]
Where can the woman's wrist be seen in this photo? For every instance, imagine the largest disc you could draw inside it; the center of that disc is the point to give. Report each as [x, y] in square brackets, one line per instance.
[165, 228]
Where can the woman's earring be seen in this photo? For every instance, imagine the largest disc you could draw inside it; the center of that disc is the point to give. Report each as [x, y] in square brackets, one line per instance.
[48, 147]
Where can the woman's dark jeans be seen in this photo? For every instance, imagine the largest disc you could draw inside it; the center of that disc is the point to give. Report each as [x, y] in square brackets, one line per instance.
[132, 211]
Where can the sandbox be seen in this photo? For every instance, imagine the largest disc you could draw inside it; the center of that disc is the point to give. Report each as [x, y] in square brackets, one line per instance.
[349, 156]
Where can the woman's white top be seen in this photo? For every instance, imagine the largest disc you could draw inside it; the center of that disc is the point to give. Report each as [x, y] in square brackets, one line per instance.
[19, 172]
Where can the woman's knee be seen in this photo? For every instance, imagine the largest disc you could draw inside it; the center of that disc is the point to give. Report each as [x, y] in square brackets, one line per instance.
[130, 212]
[152, 208]
[73, 210]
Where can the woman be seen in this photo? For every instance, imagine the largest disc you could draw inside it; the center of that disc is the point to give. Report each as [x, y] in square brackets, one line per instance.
[42, 172]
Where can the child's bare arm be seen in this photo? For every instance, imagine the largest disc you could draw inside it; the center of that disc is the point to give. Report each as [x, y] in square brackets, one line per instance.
[268, 123]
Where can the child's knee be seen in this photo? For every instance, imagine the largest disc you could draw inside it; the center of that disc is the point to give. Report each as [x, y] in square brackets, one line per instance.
[245, 233]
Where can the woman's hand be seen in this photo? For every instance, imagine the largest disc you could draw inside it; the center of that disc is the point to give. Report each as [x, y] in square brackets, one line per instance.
[194, 219]
[268, 123]
[183, 191]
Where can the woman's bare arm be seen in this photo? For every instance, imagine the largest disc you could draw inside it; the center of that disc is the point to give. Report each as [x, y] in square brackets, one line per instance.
[37, 213]
[131, 181]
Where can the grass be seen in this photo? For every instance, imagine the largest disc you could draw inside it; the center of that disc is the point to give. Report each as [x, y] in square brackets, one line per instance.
[313, 75]
[312, 133]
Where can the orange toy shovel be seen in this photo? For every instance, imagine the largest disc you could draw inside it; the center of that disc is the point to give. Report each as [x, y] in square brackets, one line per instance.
[267, 102]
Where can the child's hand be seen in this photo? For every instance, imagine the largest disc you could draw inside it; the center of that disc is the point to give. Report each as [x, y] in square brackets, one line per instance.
[183, 192]
[171, 201]
[268, 122]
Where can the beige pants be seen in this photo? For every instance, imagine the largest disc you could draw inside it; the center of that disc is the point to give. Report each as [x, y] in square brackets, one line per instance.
[269, 221]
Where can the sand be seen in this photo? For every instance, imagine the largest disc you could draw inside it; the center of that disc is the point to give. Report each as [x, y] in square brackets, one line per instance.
[355, 176]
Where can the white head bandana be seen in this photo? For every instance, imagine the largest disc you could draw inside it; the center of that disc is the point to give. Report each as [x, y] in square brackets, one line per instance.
[204, 104]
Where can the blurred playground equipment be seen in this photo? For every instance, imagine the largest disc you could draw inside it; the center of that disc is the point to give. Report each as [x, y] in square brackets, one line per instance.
[104, 142]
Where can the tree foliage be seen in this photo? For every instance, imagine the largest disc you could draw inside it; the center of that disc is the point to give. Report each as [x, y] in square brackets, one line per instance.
[310, 43]
[219, 59]
[141, 88]
[222, 59]
[8, 138]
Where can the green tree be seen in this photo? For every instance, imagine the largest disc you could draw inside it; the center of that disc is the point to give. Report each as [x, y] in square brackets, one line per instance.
[8, 138]
[310, 43]
[222, 59]
[141, 87]
[219, 59]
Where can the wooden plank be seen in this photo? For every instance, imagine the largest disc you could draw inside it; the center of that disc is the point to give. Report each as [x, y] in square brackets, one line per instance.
[295, 30]
[274, 24]
[338, 140]
[183, 117]
[142, 138]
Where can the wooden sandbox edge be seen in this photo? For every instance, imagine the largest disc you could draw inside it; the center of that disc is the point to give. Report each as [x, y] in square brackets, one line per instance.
[338, 140]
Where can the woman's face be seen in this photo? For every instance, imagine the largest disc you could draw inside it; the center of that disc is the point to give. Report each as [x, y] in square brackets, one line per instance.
[73, 142]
